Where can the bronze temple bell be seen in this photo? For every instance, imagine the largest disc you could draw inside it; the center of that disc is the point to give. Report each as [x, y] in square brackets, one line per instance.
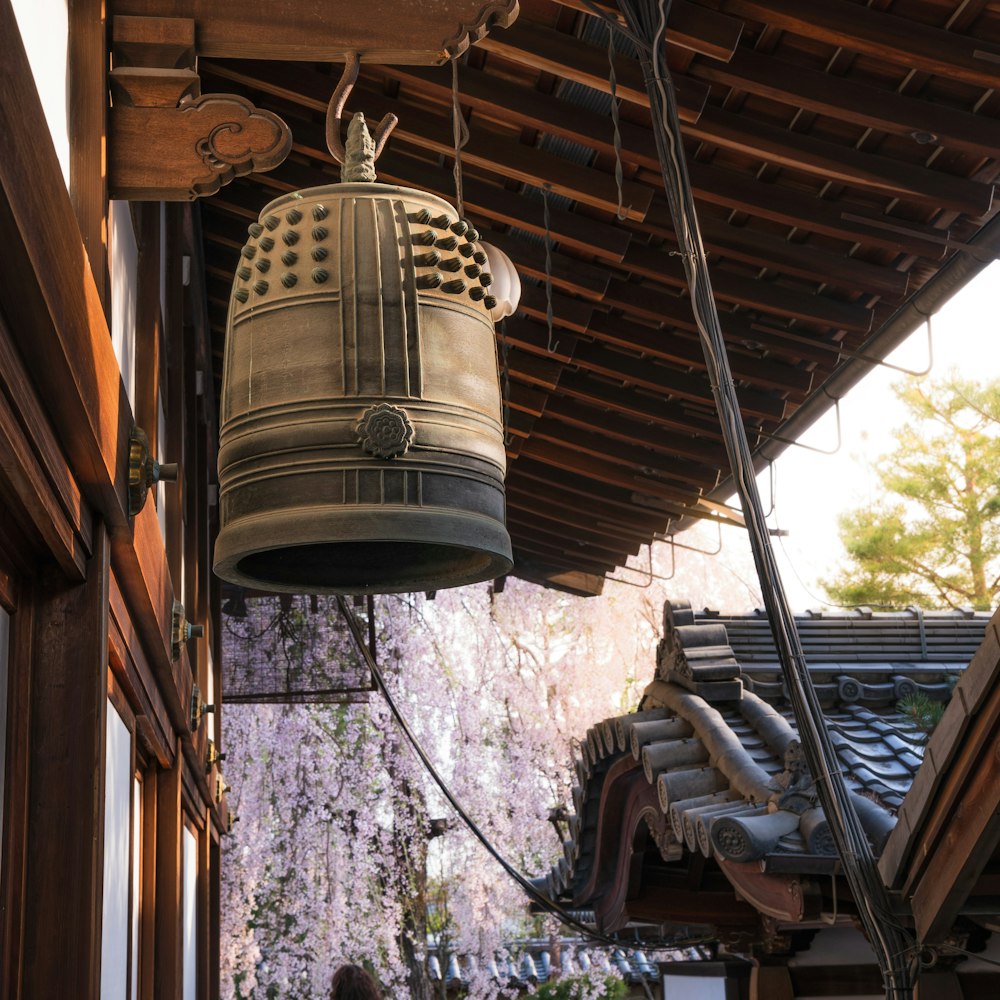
[361, 440]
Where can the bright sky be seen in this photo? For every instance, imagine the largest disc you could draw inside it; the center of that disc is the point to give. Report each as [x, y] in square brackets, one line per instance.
[812, 489]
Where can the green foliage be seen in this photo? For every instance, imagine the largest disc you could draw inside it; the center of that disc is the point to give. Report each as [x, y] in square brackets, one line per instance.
[934, 539]
[924, 713]
[575, 988]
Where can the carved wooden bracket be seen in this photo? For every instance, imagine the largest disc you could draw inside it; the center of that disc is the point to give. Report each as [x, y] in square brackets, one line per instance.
[191, 150]
[168, 142]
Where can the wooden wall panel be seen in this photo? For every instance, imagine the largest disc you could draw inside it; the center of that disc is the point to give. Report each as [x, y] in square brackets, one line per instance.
[66, 756]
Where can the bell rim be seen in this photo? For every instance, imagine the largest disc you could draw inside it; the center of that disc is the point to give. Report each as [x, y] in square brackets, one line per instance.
[482, 535]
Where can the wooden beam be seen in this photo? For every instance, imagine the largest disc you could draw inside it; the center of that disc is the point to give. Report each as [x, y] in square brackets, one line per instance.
[658, 305]
[796, 208]
[658, 378]
[427, 130]
[571, 273]
[963, 831]
[550, 51]
[483, 200]
[534, 337]
[382, 30]
[507, 102]
[840, 97]
[638, 405]
[33, 462]
[533, 369]
[50, 296]
[885, 36]
[837, 162]
[556, 555]
[751, 245]
[686, 351]
[765, 251]
[635, 456]
[575, 515]
[689, 26]
[626, 430]
[529, 524]
[88, 108]
[620, 502]
[601, 470]
[169, 903]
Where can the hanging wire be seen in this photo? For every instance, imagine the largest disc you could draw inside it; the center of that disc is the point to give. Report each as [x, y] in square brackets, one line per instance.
[460, 133]
[893, 945]
[549, 315]
[533, 893]
[621, 214]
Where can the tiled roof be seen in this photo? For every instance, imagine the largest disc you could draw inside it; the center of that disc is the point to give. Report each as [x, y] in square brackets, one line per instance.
[530, 962]
[861, 636]
[716, 738]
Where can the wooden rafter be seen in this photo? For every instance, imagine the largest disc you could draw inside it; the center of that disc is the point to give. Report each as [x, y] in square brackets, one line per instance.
[834, 179]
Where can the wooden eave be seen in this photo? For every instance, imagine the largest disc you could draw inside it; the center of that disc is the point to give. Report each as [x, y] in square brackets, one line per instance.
[843, 156]
[944, 855]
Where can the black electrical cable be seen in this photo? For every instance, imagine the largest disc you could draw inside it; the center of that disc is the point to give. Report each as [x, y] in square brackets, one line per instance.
[891, 943]
[550, 906]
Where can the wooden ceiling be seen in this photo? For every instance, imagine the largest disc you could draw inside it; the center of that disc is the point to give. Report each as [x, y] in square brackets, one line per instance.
[843, 156]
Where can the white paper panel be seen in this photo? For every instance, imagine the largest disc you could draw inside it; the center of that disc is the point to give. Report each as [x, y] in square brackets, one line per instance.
[117, 831]
[693, 988]
[124, 270]
[190, 916]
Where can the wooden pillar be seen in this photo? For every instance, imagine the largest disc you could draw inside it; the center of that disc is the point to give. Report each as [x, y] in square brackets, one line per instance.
[88, 102]
[938, 986]
[66, 763]
[169, 979]
[771, 982]
[147, 930]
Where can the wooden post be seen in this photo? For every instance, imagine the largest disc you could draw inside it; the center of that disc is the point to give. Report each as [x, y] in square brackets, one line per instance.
[169, 978]
[147, 931]
[771, 982]
[88, 98]
[66, 750]
[933, 985]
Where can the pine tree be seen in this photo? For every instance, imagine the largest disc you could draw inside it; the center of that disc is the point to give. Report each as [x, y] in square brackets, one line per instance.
[934, 539]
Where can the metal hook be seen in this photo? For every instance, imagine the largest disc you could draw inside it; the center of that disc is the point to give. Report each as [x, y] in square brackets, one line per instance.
[648, 573]
[335, 112]
[770, 476]
[852, 355]
[691, 548]
[809, 447]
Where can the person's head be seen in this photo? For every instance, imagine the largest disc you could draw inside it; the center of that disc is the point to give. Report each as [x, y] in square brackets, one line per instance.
[351, 982]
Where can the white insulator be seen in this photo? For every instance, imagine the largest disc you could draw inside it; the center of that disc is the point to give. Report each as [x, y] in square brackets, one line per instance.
[506, 287]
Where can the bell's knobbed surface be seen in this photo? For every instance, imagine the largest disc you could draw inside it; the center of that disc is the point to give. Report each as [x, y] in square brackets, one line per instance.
[361, 442]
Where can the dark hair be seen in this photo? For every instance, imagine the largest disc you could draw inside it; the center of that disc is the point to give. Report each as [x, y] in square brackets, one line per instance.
[351, 982]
